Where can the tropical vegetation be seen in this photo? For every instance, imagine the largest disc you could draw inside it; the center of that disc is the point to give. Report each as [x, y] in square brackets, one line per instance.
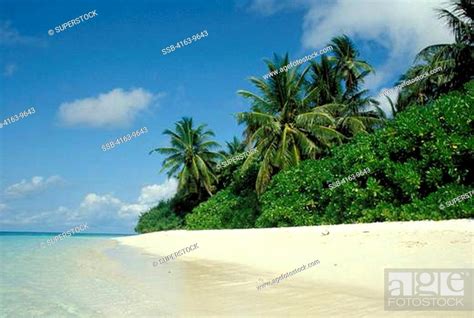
[190, 157]
[456, 59]
[314, 125]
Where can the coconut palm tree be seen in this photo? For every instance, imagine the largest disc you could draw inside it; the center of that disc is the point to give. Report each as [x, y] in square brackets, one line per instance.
[234, 147]
[282, 125]
[325, 81]
[190, 157]
[456, 59]
[393, 108]
[351, 120]
[347, 63]
[353, 110]
[420, 91]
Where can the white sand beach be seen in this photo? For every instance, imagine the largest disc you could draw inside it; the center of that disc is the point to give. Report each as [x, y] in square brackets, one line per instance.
[349, 281]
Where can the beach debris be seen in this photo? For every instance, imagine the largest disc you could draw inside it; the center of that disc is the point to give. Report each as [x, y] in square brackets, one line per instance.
[411, 244]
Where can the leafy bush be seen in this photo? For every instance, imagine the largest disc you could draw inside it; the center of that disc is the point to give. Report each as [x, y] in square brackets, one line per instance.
[224, 210]
[233, 175]
[236, 206]
[159, 218]
[293, 206]
[412, 161]
[183, 202]
[428, 208]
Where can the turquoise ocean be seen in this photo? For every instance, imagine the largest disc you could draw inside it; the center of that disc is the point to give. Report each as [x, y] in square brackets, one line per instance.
[84, 275]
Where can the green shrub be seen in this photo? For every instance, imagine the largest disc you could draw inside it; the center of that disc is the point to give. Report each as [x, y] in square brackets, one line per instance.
[287, 203]
[412, 161]
[427, 208]
[236, 206]
[159, 218]
[224, 210]
[183, 202]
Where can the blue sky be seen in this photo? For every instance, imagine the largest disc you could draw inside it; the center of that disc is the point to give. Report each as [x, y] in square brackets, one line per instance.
[106, 77]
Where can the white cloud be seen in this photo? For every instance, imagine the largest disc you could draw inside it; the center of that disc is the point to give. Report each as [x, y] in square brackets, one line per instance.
[115, 108]
[94, 202]
[133, 210]
[99, 209]
[153, 194]
[102, 212]
[149, 197]
[35, 185]
[402, 27]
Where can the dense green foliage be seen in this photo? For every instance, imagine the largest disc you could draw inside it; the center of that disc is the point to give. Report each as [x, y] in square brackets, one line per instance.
[234, 207]
[425, 208]
[300, 115]
[225, 210]
[159, 218]
[317, 126]
[420, 160]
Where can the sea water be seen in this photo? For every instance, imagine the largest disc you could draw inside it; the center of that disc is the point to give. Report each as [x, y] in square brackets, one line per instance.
[80, 276]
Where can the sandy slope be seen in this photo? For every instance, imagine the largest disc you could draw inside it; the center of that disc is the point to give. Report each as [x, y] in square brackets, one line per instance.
[349, 278]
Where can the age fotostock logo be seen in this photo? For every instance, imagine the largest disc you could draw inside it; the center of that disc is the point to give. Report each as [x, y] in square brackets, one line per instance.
[429, 289]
